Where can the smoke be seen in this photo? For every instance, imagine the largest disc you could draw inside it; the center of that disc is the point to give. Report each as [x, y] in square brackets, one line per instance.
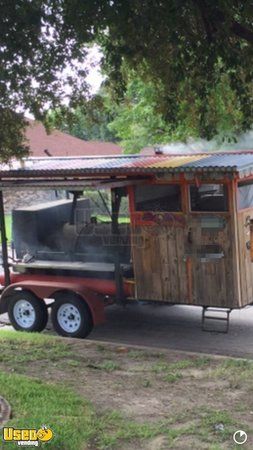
[243, 141]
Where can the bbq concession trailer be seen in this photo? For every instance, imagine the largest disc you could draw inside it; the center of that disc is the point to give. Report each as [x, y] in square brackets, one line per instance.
[189, 238]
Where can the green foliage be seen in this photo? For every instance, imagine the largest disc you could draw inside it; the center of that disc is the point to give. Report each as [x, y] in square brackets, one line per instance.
[12, 139]
[185, 51]
[137, 123]
[8, 224]
[35, 347]
[140, 122]
[109, 366]
[36, 403]
[89, 121]
[172, 377]
[39, 54]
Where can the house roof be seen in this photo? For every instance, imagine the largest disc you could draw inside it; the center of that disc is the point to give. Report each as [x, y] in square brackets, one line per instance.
[60, 144]
[241, 163]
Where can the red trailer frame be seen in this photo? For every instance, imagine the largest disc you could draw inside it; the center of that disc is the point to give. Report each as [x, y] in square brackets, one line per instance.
[82, 300]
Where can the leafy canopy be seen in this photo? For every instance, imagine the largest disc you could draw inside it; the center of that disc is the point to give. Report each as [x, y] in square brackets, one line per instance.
[138, 123]
[191, 51]
[184, 48]
[89, 121]
[40, 53]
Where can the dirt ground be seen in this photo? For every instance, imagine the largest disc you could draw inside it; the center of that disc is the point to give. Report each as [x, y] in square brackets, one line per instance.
[203, 399]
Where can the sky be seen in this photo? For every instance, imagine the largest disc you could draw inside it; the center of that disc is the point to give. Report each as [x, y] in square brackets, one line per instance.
[94, 78]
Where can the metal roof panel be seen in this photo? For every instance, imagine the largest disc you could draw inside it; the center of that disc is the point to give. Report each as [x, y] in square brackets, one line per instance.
[53, 166]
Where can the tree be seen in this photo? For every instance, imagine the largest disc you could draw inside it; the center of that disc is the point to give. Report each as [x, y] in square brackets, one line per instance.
[40, 54]
[138, 122]
[89, 121]
[185, 47]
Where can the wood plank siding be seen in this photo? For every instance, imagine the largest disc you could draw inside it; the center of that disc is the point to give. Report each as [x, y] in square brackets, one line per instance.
[184, 259]
[246, 266]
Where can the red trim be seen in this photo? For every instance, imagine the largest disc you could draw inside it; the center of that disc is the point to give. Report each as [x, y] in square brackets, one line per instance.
[242, 179]
[185, 197]
[151, 218]
[103, 287]
[197, 182]
[130, 190]
[141, 218]
[91, 290]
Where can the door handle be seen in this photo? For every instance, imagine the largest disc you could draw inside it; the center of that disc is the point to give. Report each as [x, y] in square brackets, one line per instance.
[189, 236]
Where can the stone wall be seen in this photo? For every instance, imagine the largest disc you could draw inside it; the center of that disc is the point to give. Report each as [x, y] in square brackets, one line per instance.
[17, 198]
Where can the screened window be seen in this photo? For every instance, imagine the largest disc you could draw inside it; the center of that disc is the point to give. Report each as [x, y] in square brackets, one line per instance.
[154, 197]
[209, 197]
[245, 196]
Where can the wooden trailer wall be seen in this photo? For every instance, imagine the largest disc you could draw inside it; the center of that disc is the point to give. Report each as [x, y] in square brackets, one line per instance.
[187, 256]
[244, 194]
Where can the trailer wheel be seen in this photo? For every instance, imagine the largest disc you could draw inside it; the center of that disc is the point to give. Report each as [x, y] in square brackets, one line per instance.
[27, 312]
[71, 316]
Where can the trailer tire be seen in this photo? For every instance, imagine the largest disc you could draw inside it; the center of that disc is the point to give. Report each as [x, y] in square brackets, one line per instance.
[71, 316]
[27, 312]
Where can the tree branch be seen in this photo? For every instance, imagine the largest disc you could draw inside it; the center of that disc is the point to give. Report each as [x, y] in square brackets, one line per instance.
[211, 25]
[204, 16]
[242, 32]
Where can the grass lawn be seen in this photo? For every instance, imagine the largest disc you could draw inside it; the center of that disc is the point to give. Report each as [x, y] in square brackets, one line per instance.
[8, 224]
[104, 396]
[107, 218]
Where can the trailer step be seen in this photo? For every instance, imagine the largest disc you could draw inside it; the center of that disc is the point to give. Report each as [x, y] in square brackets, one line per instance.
[211, 316]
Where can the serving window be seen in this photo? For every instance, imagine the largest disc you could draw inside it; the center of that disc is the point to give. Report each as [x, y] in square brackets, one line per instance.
[245, 196]
[209, 197]
[158, 197]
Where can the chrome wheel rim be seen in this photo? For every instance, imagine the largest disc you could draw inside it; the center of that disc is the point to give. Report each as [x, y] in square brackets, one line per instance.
[24, 313]
[69, 318]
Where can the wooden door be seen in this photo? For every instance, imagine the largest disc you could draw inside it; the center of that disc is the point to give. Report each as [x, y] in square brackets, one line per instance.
[190, 264]
[160, 266]
[210, 249]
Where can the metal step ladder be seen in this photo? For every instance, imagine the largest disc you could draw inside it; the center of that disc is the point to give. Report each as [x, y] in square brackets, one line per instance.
[212, 316]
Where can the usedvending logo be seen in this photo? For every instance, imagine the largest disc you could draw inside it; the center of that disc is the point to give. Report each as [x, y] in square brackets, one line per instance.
[27, 437]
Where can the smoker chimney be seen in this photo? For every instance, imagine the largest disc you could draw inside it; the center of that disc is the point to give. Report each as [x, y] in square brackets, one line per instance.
[158, 150]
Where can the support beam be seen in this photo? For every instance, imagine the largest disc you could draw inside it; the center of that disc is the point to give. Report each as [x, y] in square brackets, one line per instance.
[4, 242]
[116, 200]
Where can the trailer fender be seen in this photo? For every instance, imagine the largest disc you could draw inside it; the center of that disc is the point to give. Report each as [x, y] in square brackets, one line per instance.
[44, 289]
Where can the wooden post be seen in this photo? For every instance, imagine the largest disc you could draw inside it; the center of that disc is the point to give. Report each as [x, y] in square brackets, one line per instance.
[4, 242]
[251, 239]
[120, 296]
[116, 199]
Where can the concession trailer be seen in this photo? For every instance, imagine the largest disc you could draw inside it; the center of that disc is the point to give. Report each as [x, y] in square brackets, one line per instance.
[187, 239]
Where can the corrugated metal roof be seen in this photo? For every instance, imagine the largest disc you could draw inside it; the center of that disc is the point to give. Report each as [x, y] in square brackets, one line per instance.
[70, 166]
